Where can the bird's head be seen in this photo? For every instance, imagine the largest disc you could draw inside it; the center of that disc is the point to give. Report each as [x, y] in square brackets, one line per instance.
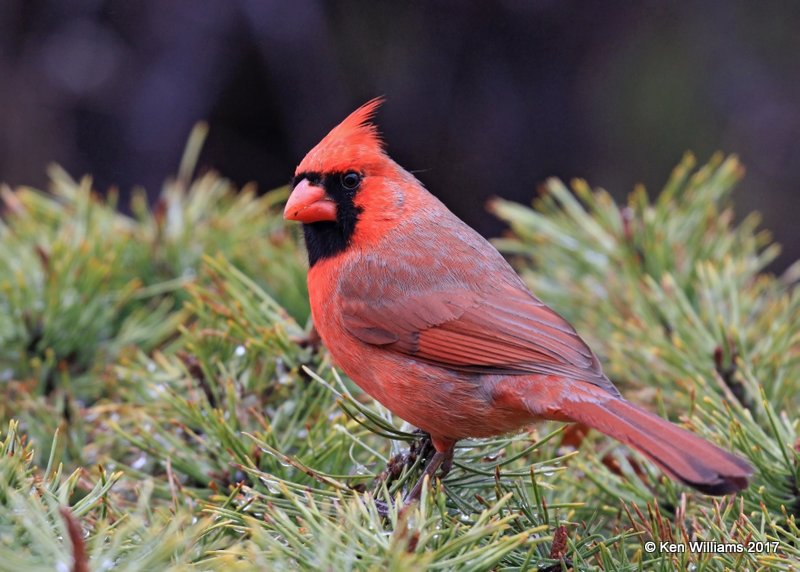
[347, 190]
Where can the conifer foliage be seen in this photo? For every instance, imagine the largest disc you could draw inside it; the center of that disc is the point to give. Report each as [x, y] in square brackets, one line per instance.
[162, 406]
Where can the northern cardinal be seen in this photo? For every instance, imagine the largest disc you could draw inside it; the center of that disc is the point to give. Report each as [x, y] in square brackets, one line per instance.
[429, 319]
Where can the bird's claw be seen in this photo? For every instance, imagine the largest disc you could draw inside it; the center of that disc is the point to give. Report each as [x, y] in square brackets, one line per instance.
[420, 448]
[384, 507]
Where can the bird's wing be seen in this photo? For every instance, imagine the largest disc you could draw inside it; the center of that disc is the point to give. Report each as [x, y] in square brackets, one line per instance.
[505, 331]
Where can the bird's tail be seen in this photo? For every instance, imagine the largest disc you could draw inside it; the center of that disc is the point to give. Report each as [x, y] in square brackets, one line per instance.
[682, 455]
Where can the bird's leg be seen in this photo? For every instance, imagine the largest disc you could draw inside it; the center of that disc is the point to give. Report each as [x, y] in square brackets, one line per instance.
[447, 464]
[423, 447]
[430, 470]
[443, 459]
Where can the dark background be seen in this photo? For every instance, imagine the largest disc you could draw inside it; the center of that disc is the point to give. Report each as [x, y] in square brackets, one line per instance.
[483, 98]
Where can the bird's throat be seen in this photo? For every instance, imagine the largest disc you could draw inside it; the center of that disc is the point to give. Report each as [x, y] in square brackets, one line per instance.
[326, 239]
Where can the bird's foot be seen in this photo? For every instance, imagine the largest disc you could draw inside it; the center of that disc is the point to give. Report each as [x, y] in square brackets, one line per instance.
[384, 507]
[420, 449]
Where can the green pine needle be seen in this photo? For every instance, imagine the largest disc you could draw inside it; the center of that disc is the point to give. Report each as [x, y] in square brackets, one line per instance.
[159, 368]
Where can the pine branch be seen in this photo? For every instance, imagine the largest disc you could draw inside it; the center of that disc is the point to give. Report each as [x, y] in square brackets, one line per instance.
[158, 371]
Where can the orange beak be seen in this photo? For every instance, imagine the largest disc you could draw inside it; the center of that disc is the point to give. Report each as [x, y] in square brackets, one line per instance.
[308, 203]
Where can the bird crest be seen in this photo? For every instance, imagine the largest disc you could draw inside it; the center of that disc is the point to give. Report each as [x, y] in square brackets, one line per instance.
[352, 144]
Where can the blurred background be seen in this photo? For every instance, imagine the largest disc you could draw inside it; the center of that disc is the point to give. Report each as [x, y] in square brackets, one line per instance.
[483, 98]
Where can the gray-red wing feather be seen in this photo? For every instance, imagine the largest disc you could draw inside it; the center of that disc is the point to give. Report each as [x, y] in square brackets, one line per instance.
[504, 331]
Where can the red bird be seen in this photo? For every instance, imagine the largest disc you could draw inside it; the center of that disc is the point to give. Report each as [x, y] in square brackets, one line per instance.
[429, 319]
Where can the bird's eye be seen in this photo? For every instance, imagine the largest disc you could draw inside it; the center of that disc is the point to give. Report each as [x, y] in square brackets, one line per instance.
[351, 180]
